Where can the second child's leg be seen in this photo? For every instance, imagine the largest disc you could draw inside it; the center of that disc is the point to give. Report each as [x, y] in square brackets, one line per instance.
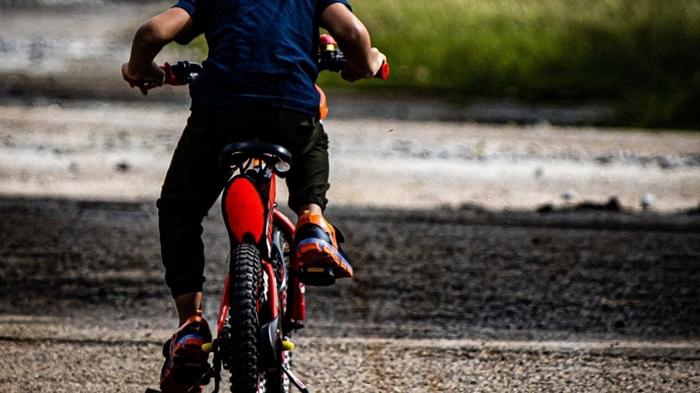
[308, 179]
[317, 241]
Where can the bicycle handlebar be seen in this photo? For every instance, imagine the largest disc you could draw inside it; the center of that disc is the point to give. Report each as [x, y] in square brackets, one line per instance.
[182, 73]
[337, 64]
[330, 58]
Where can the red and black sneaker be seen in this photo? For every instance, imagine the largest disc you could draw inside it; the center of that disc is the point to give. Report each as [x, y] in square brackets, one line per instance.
[185, 360]
[317, 247]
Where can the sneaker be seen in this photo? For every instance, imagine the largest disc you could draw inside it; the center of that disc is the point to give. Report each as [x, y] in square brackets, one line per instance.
[185, 361]
[316, 245]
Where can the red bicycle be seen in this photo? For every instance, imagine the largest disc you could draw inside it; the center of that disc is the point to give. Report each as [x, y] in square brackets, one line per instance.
[262, 301]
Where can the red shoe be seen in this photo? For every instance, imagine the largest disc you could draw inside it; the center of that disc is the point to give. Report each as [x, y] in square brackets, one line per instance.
[316, 245]
[185, 361]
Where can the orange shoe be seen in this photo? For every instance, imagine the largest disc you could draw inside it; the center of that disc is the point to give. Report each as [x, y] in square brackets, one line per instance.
[185, 361]
[316, 245]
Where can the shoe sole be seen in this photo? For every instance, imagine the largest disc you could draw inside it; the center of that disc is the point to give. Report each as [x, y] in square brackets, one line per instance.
[321, 253]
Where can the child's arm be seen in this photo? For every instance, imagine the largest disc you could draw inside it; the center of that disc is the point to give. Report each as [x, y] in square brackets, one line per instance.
[149, 39]
[353, 38]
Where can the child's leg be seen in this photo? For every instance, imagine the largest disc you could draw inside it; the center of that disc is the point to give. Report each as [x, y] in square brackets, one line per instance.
[316, 239]
[308, 179]
[192, 184]
[195, 180]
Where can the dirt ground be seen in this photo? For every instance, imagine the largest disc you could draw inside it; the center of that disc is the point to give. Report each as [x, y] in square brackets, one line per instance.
[461, 300]
[487, 256]
[120, 151]
[462, 285]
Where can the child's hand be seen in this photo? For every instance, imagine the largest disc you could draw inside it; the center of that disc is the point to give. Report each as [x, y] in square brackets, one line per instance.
[151, 77]
[377, 59]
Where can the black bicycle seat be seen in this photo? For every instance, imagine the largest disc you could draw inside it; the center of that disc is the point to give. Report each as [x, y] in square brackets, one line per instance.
[235, 154]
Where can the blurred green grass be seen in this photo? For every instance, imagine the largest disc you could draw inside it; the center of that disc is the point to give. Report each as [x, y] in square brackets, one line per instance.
[641, 56]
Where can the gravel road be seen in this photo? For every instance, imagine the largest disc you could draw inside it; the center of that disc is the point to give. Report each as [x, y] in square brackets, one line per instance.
[109, 150]
[461, 300]
[461, 284]
[449, 296]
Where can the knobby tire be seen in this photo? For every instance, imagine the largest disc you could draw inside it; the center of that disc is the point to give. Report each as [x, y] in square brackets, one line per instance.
[246, 282]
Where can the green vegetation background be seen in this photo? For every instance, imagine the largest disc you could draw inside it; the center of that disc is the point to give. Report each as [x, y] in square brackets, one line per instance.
[641, 56]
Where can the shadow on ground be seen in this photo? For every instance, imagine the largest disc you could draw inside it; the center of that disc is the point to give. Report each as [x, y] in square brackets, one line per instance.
[438, 273]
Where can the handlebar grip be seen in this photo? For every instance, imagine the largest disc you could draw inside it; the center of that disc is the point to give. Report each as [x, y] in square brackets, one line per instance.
[383, 72]
[170, 77]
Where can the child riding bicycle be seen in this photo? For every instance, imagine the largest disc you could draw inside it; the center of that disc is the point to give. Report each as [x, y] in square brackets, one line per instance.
[257, 83]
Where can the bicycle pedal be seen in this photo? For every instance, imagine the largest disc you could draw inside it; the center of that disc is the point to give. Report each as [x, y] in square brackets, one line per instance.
[288, 345]
[317, 275]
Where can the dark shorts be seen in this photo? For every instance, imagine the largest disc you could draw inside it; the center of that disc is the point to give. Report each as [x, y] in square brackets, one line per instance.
[194, 179]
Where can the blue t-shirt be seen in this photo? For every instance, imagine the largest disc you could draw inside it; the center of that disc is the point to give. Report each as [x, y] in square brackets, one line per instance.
[260, 52]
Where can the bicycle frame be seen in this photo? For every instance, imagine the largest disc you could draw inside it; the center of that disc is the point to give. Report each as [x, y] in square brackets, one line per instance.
[248, 207]
[248, 215]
